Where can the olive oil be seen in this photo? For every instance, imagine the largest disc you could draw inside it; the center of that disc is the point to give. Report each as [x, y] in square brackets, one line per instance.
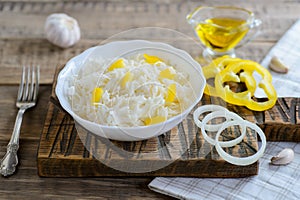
[221, 34]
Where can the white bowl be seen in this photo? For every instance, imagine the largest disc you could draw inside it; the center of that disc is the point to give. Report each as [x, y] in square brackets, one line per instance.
[180, 58]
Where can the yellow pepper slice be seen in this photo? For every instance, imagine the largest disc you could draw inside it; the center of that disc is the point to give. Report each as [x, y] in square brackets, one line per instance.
[152, 59]
[127, 78]
[249, 80]
[231, 76]
[117, 64]
[215, 67]
[245, 98]
[166, 73]
[97, 95]
[171, 93]
[226, 69]
[154, 120]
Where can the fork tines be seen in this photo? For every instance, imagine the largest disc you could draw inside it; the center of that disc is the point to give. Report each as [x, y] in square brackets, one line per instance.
[29, 85]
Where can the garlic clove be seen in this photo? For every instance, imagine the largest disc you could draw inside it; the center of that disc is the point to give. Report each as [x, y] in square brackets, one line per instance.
[278, 66]
[62, 30]
[284, 157]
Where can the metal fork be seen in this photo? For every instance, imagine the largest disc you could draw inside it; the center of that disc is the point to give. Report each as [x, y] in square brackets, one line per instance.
[27, 97]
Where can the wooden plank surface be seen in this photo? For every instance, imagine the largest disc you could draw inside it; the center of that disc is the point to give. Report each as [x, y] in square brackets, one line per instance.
[65, 151]
[68, 150]
[22, 41]
[66, 154]
[40, 52]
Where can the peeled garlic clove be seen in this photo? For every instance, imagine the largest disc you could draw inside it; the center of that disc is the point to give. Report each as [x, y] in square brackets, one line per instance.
[278, 66]
[62, 30]
[284, 157]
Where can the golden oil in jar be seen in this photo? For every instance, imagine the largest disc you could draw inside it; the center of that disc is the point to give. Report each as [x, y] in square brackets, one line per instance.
[221, 34]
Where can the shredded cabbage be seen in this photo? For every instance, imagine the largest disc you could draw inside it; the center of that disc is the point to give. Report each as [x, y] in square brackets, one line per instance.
[128, 104]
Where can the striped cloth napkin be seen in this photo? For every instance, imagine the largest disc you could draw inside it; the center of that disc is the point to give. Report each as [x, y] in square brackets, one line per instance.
[287, 49]
[272, 182]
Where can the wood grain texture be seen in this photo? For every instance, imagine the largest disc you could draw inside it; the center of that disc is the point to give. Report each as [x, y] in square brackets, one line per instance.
[66, 150]
[23, 40]
[71, 151]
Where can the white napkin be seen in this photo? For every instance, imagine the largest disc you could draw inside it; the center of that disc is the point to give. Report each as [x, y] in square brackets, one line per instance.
[287, 49]
[272, 182]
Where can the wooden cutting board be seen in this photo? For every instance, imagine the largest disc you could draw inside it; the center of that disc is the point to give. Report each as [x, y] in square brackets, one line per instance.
[66, 150]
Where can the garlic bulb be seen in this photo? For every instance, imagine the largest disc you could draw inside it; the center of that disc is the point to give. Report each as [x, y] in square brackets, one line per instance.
[62, 30]
[284, 157]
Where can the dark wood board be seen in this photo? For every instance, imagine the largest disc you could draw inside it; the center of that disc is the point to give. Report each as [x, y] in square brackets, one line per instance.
[67, 150]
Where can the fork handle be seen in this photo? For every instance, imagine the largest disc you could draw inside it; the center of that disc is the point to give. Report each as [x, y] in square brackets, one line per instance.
[10, 160]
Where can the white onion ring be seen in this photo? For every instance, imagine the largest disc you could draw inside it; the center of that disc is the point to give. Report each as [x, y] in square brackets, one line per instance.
[208, 108]
[237, 120]
[244, 160]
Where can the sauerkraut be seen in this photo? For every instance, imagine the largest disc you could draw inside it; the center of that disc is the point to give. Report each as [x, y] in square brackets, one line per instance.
[138, 93]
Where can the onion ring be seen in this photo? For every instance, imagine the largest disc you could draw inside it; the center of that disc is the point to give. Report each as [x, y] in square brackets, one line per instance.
[237, 120]
[244, 160]
[208, 108]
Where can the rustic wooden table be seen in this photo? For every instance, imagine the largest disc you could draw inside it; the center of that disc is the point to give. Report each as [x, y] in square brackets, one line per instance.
[22, 41]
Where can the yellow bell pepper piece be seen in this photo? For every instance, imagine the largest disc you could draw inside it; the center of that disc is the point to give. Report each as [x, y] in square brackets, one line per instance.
[245, 98]
[215, 67]
[166, 73]
[154, 120]
[171, 93]
[127, 78]
[226, 69]
[117, 64]
[152, 59]
[249, 80]
[97, 95]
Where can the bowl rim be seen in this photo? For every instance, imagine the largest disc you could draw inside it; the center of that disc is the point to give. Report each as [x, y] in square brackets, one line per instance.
[184, 55]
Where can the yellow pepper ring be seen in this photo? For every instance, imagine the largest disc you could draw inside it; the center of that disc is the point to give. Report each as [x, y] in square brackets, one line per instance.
[245, 76]
[245, 98]
[215, 67]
